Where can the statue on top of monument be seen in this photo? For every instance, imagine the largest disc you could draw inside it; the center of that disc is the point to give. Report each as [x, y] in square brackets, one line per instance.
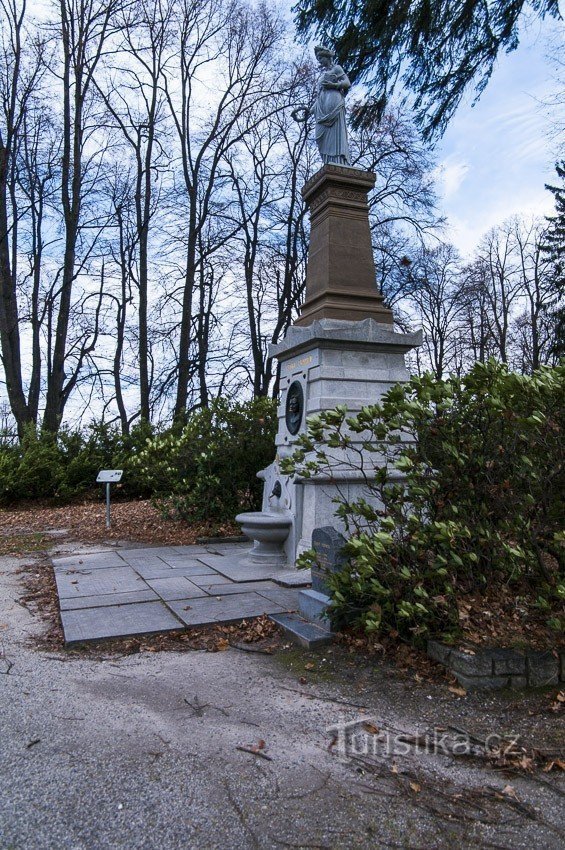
[329, 109]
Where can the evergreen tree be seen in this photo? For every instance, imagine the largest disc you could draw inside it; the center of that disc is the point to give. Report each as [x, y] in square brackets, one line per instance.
[555, 247]
[435, 48]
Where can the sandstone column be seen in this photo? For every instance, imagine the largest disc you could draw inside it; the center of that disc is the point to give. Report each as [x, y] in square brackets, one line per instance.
[340, 279]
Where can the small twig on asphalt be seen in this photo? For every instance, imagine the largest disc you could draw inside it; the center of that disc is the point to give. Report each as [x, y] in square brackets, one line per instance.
[196, 706]
[254, 752]
[471, 737]
[324, 699]
[5, 663]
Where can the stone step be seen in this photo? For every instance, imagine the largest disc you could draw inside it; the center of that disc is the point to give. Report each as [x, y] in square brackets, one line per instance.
[302, 631]
[313, 606]
[293, 578]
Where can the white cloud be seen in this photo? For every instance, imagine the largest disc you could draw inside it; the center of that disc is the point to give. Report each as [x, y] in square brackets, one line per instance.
[449, 175]
[496, 157]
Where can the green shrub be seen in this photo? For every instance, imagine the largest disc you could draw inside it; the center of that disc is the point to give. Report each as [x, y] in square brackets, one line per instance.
[103, 446]
[32, 469]
[480, 498]
[208, 469]
[65, 466]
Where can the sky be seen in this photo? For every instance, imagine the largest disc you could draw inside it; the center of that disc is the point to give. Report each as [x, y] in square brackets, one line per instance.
[496, 156]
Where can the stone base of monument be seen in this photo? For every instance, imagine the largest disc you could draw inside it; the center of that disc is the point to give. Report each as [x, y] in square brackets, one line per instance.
[313, 626]
[328, 363]
[302, 631]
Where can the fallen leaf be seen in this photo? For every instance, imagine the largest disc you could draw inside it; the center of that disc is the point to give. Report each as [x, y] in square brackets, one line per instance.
[415, 787]
[509, 791]
[458, 691]
[309, 666]
[558, 763]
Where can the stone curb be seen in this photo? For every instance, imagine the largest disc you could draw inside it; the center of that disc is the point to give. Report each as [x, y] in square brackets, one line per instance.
[491, 668]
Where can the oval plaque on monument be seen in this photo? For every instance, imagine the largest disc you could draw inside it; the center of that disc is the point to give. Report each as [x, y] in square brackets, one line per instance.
[294, 407]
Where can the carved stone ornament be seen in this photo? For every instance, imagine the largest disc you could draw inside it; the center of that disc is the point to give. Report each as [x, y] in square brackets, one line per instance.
[294, 407]
[337, 194]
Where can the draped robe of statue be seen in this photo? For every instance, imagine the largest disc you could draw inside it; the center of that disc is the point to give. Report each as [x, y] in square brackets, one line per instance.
[329, 113]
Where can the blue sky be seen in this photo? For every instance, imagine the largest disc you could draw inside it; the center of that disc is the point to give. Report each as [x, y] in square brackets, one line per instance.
[495, 157]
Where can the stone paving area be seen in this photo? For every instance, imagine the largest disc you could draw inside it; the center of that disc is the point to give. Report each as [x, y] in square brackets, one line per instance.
[139, 591]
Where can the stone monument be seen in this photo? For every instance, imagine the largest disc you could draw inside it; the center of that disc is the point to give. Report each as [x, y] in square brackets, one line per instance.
[343, 348]
[313, 604]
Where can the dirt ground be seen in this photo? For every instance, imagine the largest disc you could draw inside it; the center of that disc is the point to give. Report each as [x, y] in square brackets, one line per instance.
[29, 527]
[234, 738]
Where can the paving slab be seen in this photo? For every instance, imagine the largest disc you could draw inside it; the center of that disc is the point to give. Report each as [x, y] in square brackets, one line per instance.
[210, 579]
[294, 578]
[229, 548]
[189, 569]
[177, 587]
[118, 621]
[223, 588]
[112, 594]
[162, 571]
[224, 609]
[108, 599]
[239, 568]
[281, 596]
[146, 563]
[97, 561]
[98, 582]
[148, 552]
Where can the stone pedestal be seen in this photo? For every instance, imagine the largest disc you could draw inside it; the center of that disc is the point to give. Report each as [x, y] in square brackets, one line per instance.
[334, 362]
[340, 278]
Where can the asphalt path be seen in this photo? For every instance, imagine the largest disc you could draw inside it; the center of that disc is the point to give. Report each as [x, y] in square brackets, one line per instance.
[167, 750]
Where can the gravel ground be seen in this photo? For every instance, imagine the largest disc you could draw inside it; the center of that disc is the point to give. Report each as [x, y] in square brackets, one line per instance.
[141, 751]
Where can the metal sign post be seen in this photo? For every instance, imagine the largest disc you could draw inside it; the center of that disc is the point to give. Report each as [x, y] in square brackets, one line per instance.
[107, 477]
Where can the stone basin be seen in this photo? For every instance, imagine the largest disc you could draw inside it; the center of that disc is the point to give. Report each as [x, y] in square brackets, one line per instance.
[268, 530]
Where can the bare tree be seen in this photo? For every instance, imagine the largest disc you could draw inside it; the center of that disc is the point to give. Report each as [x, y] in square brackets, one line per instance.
[499, 265]
[435, 294]
[403, 205]
[239, 41]
[133, 95]
[267, 171]
[475, 316]
[537, 277]
[84, 27]
[20, 75]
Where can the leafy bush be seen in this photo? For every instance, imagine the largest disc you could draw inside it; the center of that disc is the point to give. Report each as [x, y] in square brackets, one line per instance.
[44, 466]
[208, 469]
[103, 447]
[32, 469]
[480, 498]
